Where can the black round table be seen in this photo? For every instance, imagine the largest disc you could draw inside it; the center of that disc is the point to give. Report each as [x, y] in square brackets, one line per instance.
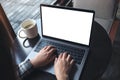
[96, 63]
[99, 55]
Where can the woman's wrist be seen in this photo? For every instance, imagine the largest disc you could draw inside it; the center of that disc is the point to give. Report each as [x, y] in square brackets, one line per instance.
[33, 63]
[64, 77]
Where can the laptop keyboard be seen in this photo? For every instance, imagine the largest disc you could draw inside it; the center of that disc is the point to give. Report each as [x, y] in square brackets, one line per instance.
[77, 54]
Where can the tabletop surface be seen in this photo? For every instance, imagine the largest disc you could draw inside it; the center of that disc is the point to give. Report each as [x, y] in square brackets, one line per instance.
[96, 63]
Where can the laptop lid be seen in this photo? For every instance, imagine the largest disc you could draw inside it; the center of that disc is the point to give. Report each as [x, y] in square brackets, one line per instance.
[65, 23]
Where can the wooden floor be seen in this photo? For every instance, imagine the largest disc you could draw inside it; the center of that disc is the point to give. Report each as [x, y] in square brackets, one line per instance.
[19, 10]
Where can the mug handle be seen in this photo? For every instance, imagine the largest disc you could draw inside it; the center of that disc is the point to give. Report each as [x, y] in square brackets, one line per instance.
[21, 33]
[26, 46]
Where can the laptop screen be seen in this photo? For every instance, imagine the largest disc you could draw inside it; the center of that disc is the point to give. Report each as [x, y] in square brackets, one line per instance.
[67, 23]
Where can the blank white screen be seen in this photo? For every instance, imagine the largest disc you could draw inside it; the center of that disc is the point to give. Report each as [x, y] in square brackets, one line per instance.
[67, 24]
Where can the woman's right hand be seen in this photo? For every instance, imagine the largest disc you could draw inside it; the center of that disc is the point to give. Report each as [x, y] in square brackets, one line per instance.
[62, 66]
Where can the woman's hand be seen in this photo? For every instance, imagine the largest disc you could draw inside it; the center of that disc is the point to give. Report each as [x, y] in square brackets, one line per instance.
[62, 66]
[44, 57]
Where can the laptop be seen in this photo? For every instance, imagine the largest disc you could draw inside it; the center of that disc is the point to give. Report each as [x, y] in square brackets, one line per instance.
[68, 29]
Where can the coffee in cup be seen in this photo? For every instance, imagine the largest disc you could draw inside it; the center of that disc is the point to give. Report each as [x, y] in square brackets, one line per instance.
[29, 27]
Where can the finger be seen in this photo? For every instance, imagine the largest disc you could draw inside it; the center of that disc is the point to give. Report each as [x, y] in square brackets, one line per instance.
[65, 55]
[72, 62]
[69, 58]
[49, 47]
[44, 47]
[55, 60]
[51, 51]
[60, 56]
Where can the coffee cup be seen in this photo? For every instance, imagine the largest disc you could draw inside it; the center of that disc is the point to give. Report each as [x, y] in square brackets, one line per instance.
[29, 29]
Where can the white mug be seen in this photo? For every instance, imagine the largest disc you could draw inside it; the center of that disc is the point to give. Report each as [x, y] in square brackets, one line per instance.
[29, 27]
